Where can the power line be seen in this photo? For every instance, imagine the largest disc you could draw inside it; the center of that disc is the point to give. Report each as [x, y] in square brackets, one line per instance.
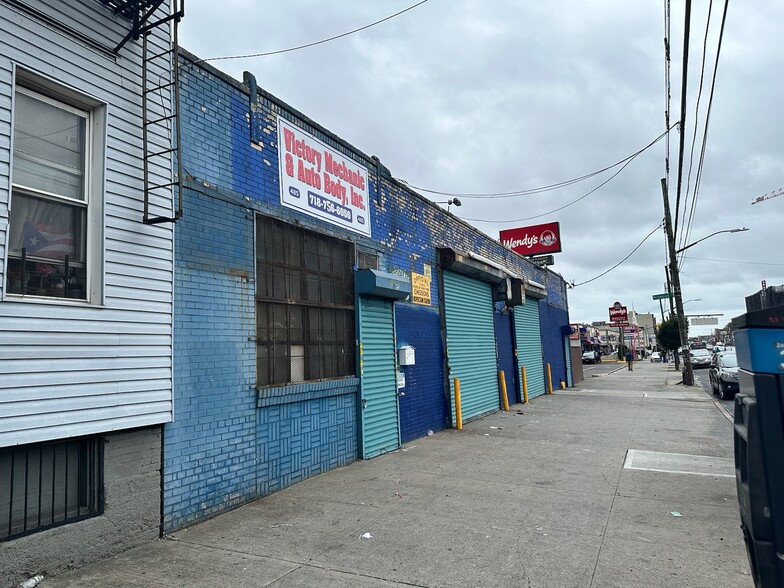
[686, 222]
[604, 273]
[527, 191]
[314, 43]
[734, 261]
[698, 180]
[684, 79]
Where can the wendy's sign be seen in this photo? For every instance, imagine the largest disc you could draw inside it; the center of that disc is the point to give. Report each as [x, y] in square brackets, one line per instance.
[533, 240]
[618, 313]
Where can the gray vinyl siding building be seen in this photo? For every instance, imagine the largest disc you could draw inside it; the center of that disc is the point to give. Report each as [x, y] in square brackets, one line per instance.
[85, 287]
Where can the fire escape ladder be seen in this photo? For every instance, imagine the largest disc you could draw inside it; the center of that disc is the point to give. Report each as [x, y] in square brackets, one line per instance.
[160, 76]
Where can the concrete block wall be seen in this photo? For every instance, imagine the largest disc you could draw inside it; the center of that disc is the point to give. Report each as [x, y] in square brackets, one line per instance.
[132, 498]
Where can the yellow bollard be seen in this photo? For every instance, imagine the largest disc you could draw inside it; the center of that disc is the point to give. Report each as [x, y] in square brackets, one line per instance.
[505, 398]
[549, 380]
[458, 410]
[525, 386]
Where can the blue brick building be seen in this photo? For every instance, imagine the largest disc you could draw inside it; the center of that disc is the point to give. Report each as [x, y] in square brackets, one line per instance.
[323, 310]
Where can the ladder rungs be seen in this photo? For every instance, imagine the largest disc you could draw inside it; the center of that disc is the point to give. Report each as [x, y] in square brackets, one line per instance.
[157, 55]
[161, 119]
[156, 88]
[157, 153]
[155, 187]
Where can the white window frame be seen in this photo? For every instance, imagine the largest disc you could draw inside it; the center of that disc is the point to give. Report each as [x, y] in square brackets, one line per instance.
[95, 114]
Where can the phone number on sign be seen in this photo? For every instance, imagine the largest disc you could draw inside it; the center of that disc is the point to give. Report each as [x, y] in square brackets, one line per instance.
[324, 205]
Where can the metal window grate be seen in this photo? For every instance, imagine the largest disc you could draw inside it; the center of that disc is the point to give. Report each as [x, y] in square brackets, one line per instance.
[49, 484]
[304, 305]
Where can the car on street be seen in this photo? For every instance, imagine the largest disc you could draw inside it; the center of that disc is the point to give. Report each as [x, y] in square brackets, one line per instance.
[724, 374]
[655, 356]
[700, 358]
[591, 356]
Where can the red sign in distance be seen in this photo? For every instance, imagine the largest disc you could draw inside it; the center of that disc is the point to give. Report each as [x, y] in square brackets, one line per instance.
[533, 240]
[618, 313]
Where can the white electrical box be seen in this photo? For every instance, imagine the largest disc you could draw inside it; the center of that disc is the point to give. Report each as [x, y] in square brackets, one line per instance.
[405, 355]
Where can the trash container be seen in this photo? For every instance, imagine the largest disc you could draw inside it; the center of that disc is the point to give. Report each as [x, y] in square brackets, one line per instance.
[759, 441]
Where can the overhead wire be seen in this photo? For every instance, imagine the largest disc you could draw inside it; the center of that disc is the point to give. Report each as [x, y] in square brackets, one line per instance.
[605, 182]
[314, 43]
[604, 273]
[687, 220]
[734, 261]
[547, 188]
[698, 180]
[684, 85]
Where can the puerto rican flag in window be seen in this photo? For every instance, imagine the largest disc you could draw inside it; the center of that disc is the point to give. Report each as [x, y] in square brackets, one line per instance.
[47, 241]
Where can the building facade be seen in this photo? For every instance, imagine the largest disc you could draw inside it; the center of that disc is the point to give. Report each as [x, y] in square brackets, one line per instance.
[85, 286]
[323, 310]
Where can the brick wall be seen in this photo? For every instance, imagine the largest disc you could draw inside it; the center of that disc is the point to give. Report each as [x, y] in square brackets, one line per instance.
[228, 442]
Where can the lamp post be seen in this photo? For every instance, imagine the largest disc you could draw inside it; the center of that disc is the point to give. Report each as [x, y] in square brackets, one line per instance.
[450, 202]
[682, 249]
[674, 276]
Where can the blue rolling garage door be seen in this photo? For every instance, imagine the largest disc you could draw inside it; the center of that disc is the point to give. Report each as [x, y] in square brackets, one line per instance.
[552, 322]
[470, 337]
[505, 345]
[529, 345]
[379, 410]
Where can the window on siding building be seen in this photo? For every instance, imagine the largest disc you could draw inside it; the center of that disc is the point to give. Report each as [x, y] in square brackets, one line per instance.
[55, 195]
[367, 260]
[44, 485]
[304, 305]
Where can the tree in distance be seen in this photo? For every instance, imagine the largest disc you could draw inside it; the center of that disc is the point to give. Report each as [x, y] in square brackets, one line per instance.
[667, 335]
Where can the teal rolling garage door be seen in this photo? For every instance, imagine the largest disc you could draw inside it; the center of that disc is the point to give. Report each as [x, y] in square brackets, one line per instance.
[529, 345]
[379, 411]
[568, 353]
[470, 338]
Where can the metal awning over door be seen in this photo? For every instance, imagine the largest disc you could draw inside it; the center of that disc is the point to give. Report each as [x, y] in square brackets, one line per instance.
[529, 345]
[380, 427]
[470, 336]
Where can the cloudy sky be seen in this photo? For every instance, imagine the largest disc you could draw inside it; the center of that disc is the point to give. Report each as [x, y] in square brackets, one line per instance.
[473, 96]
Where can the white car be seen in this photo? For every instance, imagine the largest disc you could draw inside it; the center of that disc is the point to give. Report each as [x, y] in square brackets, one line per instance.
[655, 356]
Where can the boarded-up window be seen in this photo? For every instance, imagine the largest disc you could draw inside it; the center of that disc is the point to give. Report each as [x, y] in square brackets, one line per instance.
[304, 305]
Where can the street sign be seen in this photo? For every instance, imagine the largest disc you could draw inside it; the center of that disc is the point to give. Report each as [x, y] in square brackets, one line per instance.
[662, 296]
[543, 260]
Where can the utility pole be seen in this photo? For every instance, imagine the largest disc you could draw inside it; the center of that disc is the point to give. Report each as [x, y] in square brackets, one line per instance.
[672, 309]
[688, 373]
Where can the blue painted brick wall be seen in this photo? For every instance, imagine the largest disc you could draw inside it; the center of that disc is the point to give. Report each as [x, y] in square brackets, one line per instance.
[209, 448]
[217, 389]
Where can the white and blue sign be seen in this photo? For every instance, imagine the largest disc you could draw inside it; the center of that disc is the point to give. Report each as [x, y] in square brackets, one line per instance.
[318, 181]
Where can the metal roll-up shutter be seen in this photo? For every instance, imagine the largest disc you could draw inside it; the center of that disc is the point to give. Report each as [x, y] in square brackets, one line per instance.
[568, 355]
[529, 345]
[470, 337]
[378, 406]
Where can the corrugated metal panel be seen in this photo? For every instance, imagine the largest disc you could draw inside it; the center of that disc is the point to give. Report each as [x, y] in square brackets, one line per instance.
[380, 425]
[529, 345]
[551, 321]
[54, 356]
[568, 355]
[471, 344]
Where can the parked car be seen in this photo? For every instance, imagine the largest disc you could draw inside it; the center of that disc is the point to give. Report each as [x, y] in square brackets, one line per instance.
[656, 356]
[700, 358]
[724, 374]
[591, 356]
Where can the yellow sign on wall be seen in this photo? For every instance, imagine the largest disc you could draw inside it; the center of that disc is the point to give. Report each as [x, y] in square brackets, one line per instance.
[420, 289]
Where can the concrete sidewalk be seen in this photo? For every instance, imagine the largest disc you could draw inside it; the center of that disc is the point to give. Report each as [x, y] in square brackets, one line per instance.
[535, 497]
